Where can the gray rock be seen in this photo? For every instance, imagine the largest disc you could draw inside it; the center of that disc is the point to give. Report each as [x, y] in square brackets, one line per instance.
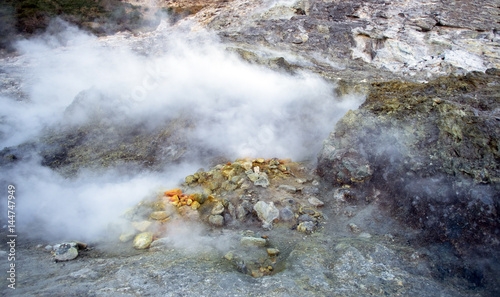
[287, 188]
[241, 212]
[306, 227]
[310, 191]
[286, 214]
[273, 252]
[315, 202]
[216, 220]
[262, 181]
[253, 241]
[217, 209]
[65, 252]
[267, 213]
[253, 176]
[354, 228]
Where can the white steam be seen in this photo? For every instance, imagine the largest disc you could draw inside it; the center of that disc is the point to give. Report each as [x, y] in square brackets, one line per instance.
[236, 108]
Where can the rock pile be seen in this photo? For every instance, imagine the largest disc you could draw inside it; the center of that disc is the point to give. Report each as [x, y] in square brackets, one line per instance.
[148, 219]
[272, 191]
[246, 192]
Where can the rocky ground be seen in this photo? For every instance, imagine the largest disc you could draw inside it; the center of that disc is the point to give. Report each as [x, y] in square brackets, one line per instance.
[351, 249]
[402, 200]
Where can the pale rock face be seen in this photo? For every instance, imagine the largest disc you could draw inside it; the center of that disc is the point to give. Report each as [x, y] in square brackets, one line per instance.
[415, 39]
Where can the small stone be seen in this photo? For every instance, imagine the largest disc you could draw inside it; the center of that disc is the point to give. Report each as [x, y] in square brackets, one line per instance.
[253, 241]
[282, 168]
[260, 160]
[143, 240]
[198, 197]
[253, 176]
[218, 209]
[301, 181]
[195, 205]
[315, 202]
[231, 209]
[286, 214]
[354, 228]
[310, 191]
[142, 226]
[229, 186]
[365, 235]
[247, 165]
[241, 212]
[190, 179]
[323, 29]
[288, 188]
[216, 220]
[158, 215]
[48, 247]
[306, 227]
[267, 213]
[273, 252]
[245, 185]
[229, 256]
[213, 185]
[262, 181]
[248, 233]
[65, 252]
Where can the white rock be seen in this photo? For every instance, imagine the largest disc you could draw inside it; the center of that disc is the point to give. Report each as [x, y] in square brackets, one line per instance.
[315, 202]
[267, 213]
[253, 241]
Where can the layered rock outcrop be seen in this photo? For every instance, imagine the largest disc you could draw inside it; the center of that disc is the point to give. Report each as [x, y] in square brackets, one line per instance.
[416, 39]
[432, 150]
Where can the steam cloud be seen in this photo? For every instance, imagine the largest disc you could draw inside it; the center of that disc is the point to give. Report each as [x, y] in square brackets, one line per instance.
[236, 108]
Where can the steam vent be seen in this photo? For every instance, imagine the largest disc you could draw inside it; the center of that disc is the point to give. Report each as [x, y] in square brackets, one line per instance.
[250, 148]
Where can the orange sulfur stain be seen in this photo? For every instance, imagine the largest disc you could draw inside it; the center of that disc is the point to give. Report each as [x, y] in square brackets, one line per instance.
[173, 192]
